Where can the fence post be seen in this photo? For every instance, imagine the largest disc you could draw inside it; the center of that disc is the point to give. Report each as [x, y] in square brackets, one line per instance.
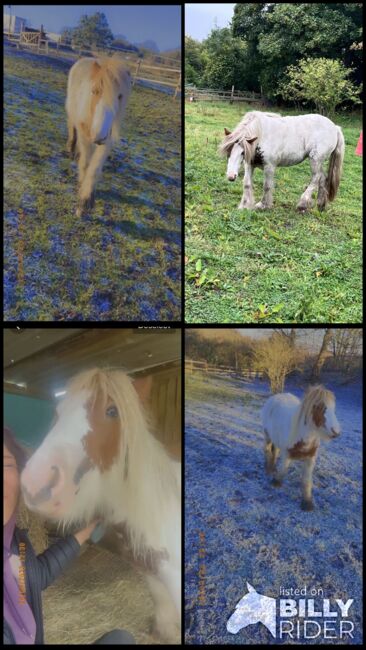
[178, 85]
[137, 71]
[232, 95]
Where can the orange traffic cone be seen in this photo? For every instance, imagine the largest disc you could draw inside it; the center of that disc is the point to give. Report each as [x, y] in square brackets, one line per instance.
[358, 151]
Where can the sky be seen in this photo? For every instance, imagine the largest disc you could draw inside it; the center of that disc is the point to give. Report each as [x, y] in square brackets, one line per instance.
[200, 18]
[160, 23]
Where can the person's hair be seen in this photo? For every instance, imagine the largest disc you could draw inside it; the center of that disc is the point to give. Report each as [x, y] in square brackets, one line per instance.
[15, 448]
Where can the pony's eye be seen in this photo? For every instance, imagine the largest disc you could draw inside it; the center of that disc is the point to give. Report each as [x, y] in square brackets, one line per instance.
[111, 412]
[119, 96]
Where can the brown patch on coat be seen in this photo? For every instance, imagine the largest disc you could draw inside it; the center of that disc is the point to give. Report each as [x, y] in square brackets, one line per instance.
[102, 442]
[146, 559]
[318, 414]
[303, 450]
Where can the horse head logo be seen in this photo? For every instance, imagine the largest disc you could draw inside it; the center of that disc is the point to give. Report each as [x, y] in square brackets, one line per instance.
[253, 608]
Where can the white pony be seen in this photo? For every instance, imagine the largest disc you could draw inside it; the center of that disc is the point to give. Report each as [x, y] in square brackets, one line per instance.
[100, 460]
[97, 94]
[267, 140]
[294, 428]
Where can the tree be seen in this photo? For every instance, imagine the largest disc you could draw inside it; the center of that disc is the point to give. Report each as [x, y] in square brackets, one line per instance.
[67, 34]
[226, 60]
[323, 353]
[347, 349]
[322, 82]
[92, 32]
[276, 357]
[194, 62]
[280, 34]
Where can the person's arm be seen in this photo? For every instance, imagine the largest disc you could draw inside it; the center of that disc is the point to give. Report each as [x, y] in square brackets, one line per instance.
[58, 557]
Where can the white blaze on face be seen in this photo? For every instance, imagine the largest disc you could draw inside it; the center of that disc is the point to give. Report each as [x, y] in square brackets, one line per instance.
[234, 162]
[50, 471]
[331, 423]
[102, 122]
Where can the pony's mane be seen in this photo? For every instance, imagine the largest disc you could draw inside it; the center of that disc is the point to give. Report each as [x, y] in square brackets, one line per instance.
[111, 78]
[248, 128]
[314, 396]
[150, 469]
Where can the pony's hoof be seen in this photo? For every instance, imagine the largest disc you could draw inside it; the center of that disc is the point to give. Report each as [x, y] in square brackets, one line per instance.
[86, 204]
[307, 505]
[276, 482]
[260, 206]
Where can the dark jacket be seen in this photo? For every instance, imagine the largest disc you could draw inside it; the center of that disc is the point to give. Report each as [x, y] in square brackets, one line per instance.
[40, 572]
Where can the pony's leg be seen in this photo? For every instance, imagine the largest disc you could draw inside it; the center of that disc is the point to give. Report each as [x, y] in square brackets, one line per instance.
[72, 138]
[167, 623]
[322, 193]
[271, 453]
[85, 152]
[281, 470]
[268, 185]
[307, 484]
[306, 200]
[87, 184]
[247, 200]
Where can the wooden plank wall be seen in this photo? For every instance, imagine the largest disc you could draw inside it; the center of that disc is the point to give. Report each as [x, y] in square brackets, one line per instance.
[165, 407]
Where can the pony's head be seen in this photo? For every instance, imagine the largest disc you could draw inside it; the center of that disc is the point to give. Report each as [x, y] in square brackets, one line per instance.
[90, 439]
[317, 413]
[240, 144]
[237, 150]
[110, 84]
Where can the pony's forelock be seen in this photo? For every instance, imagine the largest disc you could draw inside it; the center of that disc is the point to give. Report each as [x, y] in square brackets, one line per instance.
[314, 396]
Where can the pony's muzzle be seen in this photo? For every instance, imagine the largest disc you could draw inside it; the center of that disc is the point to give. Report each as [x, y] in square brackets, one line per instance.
[231, 177]
[335, 433]
[100, 141]
[42, 491]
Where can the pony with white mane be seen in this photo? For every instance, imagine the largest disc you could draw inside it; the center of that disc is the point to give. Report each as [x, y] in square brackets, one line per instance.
[100, 460]
[293, 429]
[97, 93]
[268, 140]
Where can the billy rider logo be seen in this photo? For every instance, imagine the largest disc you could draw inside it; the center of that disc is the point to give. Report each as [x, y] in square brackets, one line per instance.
[298, 619]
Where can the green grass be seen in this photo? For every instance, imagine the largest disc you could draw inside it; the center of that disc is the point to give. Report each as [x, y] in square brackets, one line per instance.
[122, 261]
[276, 265]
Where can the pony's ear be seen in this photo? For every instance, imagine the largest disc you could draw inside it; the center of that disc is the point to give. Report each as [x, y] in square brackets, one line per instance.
[227, 132]
[251, 140]
[249, 587]
[142, 386]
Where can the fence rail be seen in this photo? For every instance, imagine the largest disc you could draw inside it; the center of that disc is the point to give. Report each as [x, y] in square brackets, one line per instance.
[140, 70]
[192, 366]
[208, 94]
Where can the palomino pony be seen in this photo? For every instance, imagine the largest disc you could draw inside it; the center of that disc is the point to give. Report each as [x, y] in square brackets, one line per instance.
[267, 140]
[100, 460]
[294, 428]
[97, 94]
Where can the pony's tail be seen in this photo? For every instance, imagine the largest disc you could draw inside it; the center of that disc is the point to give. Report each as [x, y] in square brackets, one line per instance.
[335, 167]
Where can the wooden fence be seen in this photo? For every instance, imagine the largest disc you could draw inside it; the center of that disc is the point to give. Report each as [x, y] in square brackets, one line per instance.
[163, 75]
[207, 94]
[192, 366]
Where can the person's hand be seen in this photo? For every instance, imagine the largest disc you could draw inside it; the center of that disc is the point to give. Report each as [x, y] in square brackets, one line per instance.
[84, 534]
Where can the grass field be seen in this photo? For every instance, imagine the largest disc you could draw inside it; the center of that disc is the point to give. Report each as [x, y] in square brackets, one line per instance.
[277, 265]
[123, 260]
